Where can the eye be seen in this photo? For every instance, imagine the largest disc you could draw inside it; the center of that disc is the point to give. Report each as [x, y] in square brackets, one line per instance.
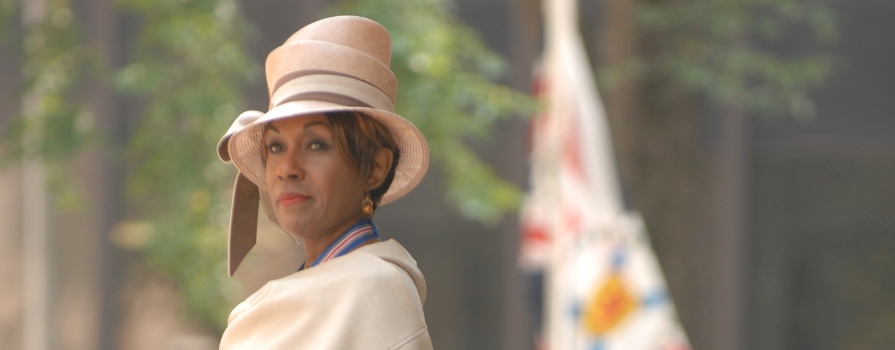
[317, 146]
[275, 147]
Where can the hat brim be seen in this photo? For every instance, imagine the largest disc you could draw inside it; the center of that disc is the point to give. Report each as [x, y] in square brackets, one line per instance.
[246, 150]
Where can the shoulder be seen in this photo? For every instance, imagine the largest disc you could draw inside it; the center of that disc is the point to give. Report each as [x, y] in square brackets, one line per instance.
[382, 271]
[392, 253]
[333, 305]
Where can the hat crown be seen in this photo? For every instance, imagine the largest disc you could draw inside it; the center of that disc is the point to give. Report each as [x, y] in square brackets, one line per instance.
[357, 33]
[348, 46]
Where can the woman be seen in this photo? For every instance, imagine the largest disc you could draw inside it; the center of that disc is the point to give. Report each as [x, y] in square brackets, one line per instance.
[326, 154]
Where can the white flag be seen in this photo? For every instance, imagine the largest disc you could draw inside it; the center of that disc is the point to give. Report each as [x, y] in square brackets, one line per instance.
[604, 287]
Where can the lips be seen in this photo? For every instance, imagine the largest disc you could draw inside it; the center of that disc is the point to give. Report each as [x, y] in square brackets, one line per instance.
[290, 198]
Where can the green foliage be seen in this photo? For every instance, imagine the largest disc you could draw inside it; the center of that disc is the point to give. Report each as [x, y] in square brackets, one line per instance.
[9, 19]
[719, 48]
[188, 66]
[56, 120]
[445, 74]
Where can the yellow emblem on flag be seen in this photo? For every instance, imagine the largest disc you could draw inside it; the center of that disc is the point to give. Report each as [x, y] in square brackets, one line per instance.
[609, 306]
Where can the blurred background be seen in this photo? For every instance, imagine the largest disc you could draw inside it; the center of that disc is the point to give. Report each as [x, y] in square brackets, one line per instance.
[755, 138]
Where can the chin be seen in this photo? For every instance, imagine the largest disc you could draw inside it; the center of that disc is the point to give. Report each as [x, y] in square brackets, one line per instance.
[295, 228]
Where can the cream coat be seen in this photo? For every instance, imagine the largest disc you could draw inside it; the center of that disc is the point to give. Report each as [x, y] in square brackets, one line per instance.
[370, 298]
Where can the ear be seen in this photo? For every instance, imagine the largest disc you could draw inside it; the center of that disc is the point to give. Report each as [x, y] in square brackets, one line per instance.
[381, 165]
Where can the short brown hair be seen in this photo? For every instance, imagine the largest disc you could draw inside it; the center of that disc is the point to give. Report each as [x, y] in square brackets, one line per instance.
[358, 138]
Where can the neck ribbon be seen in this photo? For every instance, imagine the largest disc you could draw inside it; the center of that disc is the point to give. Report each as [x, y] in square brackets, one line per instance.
[364, 230]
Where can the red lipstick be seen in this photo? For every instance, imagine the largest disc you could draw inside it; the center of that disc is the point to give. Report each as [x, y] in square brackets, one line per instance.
[290, 198]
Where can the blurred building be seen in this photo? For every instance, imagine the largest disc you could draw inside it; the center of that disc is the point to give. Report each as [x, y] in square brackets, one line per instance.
[821, 203]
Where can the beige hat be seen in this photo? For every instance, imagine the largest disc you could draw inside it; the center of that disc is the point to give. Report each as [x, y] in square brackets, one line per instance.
[332, 65]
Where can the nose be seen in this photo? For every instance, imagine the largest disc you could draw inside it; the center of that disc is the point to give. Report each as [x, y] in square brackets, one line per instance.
[290, 167]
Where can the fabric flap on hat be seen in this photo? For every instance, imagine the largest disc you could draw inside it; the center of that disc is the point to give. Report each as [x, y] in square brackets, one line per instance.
[243, 222]
[315, 85]
[241, 121]
[289, 61]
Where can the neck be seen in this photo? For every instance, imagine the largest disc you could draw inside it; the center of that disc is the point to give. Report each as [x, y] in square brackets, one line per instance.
[315, 246]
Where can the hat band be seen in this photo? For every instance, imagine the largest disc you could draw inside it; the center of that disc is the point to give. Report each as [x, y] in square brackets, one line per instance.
[316, 56]
[332, 88]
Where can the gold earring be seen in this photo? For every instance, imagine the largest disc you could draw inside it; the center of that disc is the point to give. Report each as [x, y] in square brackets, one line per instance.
[368, 205]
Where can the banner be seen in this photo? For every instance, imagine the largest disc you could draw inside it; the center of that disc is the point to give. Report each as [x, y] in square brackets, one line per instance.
[604, 288]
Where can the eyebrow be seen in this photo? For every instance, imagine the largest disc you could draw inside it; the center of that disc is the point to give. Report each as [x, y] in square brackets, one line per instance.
[273, 128]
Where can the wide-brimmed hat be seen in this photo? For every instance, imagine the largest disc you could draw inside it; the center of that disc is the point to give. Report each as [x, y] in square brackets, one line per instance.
[337, 64]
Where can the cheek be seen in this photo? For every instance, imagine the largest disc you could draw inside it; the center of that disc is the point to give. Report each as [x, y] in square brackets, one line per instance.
[270, 175]
[341, 182]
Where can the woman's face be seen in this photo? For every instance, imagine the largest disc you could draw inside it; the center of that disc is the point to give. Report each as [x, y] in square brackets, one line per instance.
[314, 190]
